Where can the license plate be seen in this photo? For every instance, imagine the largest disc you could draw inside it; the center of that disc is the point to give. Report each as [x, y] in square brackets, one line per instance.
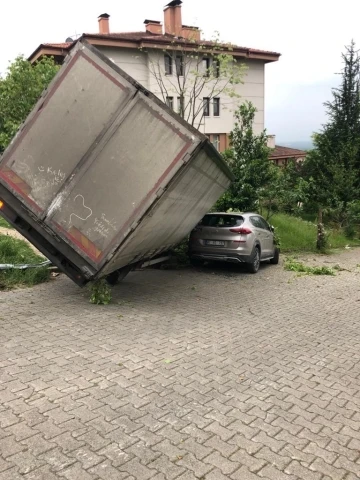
[216, 243]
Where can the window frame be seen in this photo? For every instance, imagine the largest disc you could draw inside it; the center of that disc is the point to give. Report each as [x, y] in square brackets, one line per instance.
[170, 102]
[216, 101]
[180, 105]
[206, 106]
[179, 65]
[206, 67]
[168, 62]
[218, 141]
[216, 67]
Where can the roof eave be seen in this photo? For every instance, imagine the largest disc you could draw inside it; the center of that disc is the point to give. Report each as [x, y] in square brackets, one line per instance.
[155, 42]
[49, 51]
[160, 43]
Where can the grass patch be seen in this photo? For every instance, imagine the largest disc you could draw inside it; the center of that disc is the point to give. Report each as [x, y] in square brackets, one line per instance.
[4, 223]
[16, 251]
[294, 266]
[298, 235]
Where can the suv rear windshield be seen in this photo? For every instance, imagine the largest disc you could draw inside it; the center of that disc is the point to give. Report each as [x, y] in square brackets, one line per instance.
[222, 221]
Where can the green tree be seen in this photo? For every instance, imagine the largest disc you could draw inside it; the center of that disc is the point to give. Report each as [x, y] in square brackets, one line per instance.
[19, 90]
[333, 166]
[248, 158]
[286, 191]
[188, 71]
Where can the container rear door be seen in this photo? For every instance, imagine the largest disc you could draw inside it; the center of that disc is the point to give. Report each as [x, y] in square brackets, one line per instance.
[63, 128]
[141, 151]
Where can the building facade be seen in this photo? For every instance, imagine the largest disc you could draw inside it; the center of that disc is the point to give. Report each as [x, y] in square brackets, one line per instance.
[156, 56]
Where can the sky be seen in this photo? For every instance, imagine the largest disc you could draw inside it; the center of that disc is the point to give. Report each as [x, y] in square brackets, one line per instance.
[310, 35]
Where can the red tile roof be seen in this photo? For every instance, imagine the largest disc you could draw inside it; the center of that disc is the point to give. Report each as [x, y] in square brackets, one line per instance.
[286, 152]
[58, 45]
[150, 37]
[138, 36]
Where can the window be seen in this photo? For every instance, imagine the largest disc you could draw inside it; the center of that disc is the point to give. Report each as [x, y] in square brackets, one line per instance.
[206, 104]
[180, 105]
[256, 221]
[206, 67]
[168, 65]
[216, 67]
[179, 65]
[216, 107]
[264, 224]
[170, 102]
[222, 221]
[216, 142]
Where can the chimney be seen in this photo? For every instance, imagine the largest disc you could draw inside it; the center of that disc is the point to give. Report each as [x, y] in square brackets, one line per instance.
[153, 26]
[104, 27]
[271, 141]
[172, 18]
[191, 33]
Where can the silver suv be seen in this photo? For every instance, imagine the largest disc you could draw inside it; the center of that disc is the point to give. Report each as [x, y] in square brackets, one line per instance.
[233, 237]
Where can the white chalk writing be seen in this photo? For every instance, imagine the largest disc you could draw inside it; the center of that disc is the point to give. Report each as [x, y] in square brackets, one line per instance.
[83, 206]
[101, 228]
[111, 223]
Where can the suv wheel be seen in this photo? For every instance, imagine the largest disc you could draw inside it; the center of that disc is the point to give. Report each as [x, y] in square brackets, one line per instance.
[275, 259]
[254, 265]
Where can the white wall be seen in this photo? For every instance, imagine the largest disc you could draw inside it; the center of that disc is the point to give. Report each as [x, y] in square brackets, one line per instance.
[133, 62]
[139, 65]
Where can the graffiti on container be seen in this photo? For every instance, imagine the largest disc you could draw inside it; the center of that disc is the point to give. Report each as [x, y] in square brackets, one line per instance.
[43, 177]
[86, 213]
[101, 228]
[111, 223]
[51, 176]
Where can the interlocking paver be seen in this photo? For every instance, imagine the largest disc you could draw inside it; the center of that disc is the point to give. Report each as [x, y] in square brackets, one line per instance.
[25, 461]
[268, 390]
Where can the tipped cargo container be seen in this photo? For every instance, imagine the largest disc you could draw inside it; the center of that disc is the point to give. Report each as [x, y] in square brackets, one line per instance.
[102, 176]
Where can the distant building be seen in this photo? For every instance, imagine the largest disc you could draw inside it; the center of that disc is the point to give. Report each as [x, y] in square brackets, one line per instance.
[132, 51]
[282, 155]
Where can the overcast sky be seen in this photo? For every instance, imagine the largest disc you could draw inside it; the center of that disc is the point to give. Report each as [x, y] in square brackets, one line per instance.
[310, 35]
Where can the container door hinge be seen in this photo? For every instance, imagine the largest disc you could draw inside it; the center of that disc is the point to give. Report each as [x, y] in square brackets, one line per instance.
[186, 158]
[160, 192]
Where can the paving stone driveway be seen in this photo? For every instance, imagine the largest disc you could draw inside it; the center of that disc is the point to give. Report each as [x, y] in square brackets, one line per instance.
[211, 374]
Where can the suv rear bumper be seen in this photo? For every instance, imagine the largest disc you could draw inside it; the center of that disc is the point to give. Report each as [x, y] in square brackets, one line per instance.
[221, 257]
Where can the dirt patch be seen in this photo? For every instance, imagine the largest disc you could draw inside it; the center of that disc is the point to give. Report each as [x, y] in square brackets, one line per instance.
[15, 234]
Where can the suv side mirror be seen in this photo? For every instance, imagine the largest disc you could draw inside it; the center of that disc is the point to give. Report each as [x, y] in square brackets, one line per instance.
[272, 228]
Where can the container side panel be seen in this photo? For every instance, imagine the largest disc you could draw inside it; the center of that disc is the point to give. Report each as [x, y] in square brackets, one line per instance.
[138, 157]
[67, 122]
[184, 203]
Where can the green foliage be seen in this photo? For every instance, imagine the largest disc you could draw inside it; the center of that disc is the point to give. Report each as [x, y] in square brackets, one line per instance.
[248, 160]
[332, 169]
[299, 235]
[294, 266]
[15, 251]
[286, 191]
[19, 91]
[100, 292]
[4, 223]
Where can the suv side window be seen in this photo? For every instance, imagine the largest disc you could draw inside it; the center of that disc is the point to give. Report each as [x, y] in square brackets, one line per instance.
[256, 222]
[264, 224]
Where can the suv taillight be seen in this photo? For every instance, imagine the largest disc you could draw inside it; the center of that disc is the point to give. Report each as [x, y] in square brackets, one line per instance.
[241, 230]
